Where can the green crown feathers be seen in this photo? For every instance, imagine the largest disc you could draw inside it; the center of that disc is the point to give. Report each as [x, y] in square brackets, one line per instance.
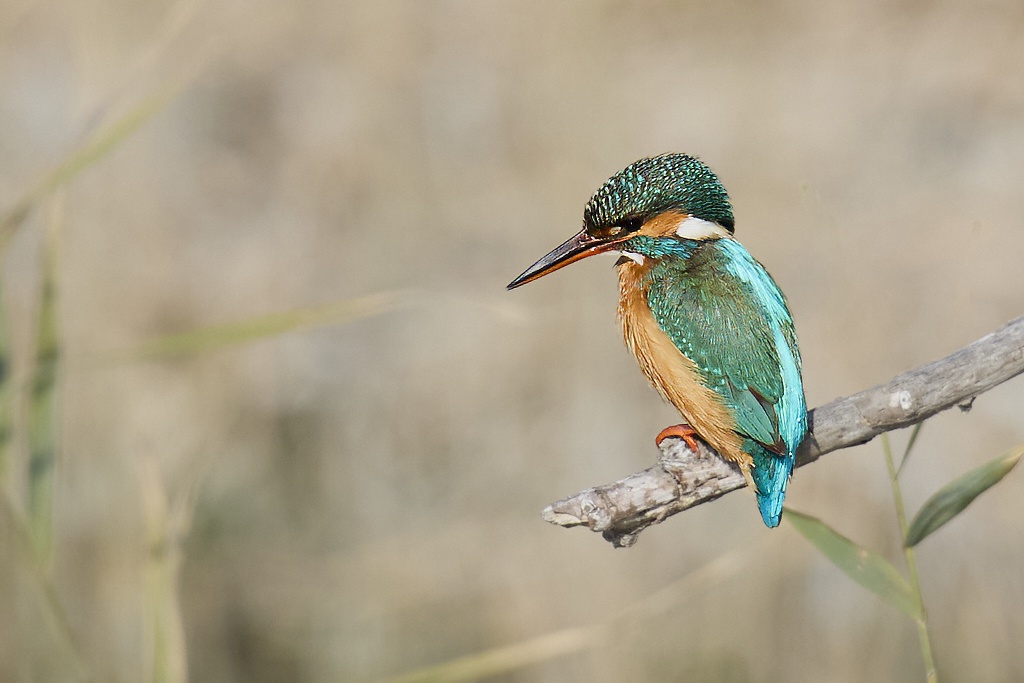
[654, 185]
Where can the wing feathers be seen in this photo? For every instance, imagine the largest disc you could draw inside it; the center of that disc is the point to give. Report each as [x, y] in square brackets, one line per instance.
[723, 311]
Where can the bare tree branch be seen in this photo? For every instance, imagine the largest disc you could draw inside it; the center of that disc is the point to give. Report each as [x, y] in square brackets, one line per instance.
[682, 479]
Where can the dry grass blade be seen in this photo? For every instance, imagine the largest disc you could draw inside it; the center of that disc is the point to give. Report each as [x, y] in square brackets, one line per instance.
[95, 148]
[100, 139]
[501, 660]
[41, 397]
[5, 396]
[216, 337]
[41, 576]
[165, 630]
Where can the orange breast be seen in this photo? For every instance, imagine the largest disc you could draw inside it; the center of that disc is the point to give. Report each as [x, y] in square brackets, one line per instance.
[675, 376]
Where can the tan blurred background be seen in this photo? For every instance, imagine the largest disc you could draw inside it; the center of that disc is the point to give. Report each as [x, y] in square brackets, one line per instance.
[360, 500]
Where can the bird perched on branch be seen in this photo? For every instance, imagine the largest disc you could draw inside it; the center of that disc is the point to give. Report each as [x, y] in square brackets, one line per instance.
[709, 327]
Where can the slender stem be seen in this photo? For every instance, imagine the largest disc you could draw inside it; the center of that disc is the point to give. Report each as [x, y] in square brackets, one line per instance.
[931, 674]
[910, 444]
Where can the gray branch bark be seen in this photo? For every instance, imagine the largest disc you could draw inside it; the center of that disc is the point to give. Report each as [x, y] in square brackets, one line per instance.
[682, 479]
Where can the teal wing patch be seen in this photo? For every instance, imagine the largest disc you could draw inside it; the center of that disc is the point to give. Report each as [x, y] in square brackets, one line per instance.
[755, 415]
[724, 312]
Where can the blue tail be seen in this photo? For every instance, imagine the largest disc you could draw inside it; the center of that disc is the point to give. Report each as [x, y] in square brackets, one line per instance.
[771, 474]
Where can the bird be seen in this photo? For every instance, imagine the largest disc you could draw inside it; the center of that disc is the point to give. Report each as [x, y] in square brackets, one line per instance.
[709, 327]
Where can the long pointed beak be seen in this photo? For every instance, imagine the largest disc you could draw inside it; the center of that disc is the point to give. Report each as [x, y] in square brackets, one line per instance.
[579, 246]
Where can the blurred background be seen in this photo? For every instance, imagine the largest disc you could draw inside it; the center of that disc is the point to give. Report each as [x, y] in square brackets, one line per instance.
[272, 416]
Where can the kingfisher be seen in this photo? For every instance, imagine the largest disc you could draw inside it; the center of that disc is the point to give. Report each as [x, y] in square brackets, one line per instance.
[711, 330]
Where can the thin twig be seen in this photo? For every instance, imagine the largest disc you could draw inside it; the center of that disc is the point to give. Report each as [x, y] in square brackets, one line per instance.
[682, 479]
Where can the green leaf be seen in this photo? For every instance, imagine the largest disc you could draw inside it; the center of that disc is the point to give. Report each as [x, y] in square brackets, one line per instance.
[958, 494]
[864, 566]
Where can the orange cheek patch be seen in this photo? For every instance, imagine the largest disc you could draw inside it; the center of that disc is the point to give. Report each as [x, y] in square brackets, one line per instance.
[664, 224]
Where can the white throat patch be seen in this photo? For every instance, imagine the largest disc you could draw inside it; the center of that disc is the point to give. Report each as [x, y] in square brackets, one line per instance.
[700, 229]
[633, 256]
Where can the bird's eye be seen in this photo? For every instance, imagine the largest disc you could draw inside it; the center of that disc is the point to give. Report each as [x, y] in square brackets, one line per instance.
[623, 227]
[630, 224]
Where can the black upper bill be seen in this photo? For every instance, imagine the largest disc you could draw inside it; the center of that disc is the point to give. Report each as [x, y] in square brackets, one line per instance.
[579, 246]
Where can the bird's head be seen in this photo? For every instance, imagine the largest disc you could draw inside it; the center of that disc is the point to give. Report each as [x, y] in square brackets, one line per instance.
[652, 208]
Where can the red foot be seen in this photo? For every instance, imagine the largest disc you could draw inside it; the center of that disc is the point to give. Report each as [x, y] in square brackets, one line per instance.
[683, 431]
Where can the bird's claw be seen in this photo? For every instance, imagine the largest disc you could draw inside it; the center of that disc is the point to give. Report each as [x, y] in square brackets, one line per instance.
[681, 431]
